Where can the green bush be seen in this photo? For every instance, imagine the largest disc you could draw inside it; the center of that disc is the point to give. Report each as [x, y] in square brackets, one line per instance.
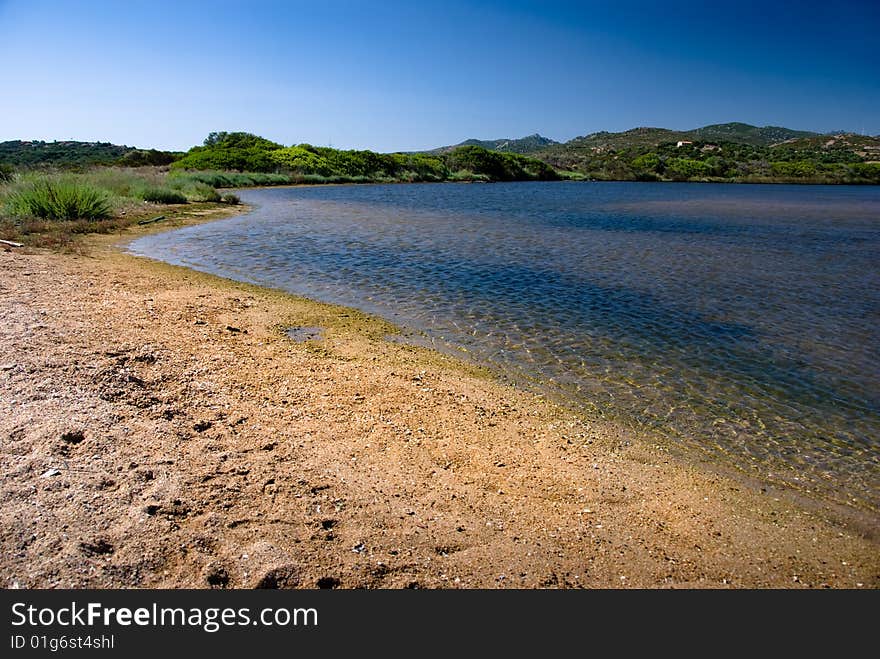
[230, 199]
[869, 171]
[301, 161]
[467, 175]
[686, 168]
[156, 195]
[147, 158]
[794, 168]
[313, 178]
[214, 162]
[498, 166]
[59, 199]
[647, 161]
[198, 191]
[217, 179]
[238, 151]
[420, 167]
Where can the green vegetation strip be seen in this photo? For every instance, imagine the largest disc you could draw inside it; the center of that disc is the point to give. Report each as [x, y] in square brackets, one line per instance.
[65, 188]
[733, 152]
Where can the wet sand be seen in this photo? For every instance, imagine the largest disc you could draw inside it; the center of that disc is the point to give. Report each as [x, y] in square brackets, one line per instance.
[159, 428]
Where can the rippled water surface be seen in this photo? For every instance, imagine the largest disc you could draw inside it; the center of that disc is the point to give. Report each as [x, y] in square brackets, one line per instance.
[740, 321]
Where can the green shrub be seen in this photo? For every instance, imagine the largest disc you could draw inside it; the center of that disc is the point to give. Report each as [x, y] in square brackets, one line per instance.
[686, 168]
[647, 177]
[205, 193]
[156, 195]
[869, 171]
[245, 153]
[570, 176]
[59, 199]
[301, 161]
[498, 166]
[6, 172]
[217, 179]
[147, 158]
[647, 161]
[415, 167]
[313, 178]
[467, 175]
[198, 191]
[239, 151]
[794, 168]
[230, 199]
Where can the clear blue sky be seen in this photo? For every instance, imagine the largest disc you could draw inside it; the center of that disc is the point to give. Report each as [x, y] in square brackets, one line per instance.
[391, 75]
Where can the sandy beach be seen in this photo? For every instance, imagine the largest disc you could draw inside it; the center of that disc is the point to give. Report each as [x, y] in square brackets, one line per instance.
[159, 428]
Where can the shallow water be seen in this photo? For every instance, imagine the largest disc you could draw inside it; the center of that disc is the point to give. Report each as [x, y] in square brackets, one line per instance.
[737, 321]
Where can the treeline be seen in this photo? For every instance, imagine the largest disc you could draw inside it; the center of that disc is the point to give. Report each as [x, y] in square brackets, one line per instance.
[305, 163]
[238, 159]
[798, 162]
[37, 154]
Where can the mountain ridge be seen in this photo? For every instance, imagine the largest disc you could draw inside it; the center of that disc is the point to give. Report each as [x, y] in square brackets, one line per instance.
[522, 145]
[737, 132]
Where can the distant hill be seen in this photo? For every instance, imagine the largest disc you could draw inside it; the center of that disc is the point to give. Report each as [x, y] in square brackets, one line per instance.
[35, 153]
[720, 152]
[746, 134]
[522, 145]
[70, 153]
[863, 146]
[635, 137]
[737, 133]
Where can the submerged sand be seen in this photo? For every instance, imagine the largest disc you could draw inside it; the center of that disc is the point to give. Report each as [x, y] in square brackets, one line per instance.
[159, 428]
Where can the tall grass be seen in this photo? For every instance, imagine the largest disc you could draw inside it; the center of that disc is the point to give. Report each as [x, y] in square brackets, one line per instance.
[196, 190]
[49, 208]
[124, 182]
[465, 175]
[59, 199]
[160, 195]
[319, 179]
[218, 179]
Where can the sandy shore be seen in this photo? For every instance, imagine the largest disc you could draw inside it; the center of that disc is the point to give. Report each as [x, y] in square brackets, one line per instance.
[159, 429]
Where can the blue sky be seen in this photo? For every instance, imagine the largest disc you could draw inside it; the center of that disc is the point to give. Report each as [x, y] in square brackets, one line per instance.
[391, 75]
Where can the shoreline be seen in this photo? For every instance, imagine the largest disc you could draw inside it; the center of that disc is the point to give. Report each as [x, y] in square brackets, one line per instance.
[793, 182]
[198, 446]
[804, 494]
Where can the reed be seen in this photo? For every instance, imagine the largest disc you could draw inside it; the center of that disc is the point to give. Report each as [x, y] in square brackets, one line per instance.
[59, 198]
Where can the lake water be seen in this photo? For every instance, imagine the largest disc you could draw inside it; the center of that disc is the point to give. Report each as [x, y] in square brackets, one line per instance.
[736, 321]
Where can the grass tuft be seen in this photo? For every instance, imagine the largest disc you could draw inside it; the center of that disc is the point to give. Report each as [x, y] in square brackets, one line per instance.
[159, 195]
[198, 191]
[217, 179]
[59, 199]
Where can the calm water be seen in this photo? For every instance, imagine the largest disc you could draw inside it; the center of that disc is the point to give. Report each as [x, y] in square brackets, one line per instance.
[739, 321]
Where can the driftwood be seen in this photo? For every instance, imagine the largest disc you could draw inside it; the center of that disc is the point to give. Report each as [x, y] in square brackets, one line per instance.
[155, 219]
[10, 243]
